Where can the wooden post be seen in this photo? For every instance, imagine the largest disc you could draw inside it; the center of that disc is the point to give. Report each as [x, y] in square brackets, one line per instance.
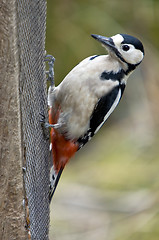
[12, 217]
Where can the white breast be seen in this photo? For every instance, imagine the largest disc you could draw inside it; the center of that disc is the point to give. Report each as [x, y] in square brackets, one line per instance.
[79, 92]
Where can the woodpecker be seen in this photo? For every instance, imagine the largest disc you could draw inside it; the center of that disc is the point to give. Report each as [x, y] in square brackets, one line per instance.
[87, 96]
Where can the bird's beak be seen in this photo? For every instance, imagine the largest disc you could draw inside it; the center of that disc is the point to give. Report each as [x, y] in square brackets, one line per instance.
[106, 41]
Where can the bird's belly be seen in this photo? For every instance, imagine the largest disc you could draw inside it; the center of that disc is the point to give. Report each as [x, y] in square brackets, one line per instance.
[76, 116]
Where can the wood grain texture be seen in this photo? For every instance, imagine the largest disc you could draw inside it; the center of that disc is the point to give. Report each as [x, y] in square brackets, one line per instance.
[12, 217]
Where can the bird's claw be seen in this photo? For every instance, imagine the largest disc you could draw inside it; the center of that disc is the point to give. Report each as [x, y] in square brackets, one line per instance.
[43, 123]
[42, 117]
[50, 59]
[46, 124]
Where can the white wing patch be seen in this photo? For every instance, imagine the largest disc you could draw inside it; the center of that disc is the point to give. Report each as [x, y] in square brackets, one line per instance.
[110, 110]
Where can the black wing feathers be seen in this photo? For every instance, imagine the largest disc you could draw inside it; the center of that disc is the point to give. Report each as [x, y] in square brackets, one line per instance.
[101, 109]
[103, 106]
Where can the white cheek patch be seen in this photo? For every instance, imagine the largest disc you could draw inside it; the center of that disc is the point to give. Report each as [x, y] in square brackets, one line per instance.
[133, 57]
[136, 57]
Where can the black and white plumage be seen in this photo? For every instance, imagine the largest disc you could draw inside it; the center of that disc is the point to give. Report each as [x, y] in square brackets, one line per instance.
[92, 90]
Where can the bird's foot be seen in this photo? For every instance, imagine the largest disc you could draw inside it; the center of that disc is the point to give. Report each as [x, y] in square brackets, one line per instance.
[46, 124]
[50, 73]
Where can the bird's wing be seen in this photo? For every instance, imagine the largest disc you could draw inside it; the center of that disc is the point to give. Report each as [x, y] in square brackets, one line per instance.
[102, 111]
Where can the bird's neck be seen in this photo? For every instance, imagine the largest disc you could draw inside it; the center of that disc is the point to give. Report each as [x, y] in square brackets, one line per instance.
[126, 67]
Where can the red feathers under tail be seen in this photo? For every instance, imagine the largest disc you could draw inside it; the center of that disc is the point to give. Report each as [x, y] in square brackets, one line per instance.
[62, 150]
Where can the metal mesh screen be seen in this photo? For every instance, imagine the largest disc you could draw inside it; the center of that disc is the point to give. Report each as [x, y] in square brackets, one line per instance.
[33, 98]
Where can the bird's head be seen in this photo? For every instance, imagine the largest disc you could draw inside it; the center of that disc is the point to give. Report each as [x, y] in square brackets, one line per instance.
[126, 48]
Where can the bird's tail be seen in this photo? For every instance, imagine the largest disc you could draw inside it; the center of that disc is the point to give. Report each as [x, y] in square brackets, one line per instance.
[54, 179]
[54, 176]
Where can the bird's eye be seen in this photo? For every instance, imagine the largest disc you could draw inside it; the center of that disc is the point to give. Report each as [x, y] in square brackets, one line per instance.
[125, 48]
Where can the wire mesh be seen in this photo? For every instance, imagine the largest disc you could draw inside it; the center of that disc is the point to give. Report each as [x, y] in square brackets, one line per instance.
[33, 98]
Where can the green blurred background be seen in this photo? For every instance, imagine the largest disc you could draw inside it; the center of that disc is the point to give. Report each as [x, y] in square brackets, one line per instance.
[110, 189]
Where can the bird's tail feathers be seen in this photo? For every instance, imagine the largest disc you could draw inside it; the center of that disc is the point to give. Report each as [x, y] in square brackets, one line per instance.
[54, 179]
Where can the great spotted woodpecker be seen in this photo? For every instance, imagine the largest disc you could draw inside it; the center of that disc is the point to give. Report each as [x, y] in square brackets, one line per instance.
[87, 96]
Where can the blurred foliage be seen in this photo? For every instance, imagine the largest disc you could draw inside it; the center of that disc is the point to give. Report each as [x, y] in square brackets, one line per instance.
[124, 156]
[70, 23]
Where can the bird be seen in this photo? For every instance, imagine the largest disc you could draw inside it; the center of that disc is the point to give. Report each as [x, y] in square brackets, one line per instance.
[83, 101]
